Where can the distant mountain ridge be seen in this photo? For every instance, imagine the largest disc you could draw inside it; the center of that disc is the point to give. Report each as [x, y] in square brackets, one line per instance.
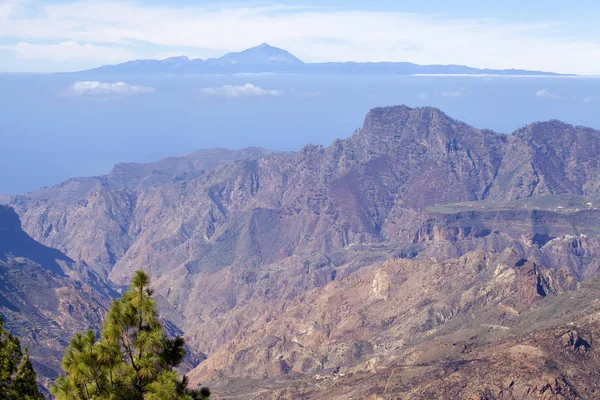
[266, 58]
[134, 175]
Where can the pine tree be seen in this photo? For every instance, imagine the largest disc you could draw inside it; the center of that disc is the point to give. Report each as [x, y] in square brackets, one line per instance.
[132, 360]
[17, 377]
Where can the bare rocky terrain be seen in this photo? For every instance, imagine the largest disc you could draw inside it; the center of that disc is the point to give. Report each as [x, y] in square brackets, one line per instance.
[45, 297]
[419, 258]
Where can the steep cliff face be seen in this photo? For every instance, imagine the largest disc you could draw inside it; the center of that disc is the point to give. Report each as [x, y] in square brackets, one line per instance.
[45, 297]
[565, 156]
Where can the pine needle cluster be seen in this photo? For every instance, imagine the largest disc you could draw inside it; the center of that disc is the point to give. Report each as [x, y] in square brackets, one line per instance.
[133, 359]
[17, 377]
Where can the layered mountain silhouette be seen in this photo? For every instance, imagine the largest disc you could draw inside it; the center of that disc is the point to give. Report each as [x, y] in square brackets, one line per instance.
[420, 257]
[266, 58]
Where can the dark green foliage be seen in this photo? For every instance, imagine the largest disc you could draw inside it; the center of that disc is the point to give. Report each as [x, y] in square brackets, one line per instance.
[133, 358]
[17, 378]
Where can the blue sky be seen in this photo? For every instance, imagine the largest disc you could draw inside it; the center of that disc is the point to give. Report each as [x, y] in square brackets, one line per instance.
[560, 36]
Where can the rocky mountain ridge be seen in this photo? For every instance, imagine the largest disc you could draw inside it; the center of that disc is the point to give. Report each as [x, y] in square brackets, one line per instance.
[65, 205]
[371, 187]
[249, 254]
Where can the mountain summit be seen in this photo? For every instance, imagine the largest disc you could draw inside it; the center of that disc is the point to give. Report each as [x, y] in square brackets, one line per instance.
[262, 54]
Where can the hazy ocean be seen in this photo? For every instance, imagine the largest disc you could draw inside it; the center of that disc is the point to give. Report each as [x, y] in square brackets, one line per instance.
[48, 134]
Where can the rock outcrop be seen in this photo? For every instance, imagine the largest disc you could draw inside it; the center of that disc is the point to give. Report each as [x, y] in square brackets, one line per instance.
[45, 297]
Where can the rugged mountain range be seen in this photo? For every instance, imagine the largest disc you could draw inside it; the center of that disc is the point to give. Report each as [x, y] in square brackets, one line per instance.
[372, 187]
[64, 204]
[399, 257]
[265, 58]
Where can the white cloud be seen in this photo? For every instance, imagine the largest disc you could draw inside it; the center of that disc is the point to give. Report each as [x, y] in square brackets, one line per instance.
[313, 34]
[587, 100]
[422, 96]
[70, 50]
[247, 90]
[104, 89]
[546, 94]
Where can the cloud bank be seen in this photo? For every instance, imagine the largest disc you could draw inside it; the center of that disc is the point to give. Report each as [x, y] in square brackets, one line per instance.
[232, 91]
[104, 89]
[69, 50]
